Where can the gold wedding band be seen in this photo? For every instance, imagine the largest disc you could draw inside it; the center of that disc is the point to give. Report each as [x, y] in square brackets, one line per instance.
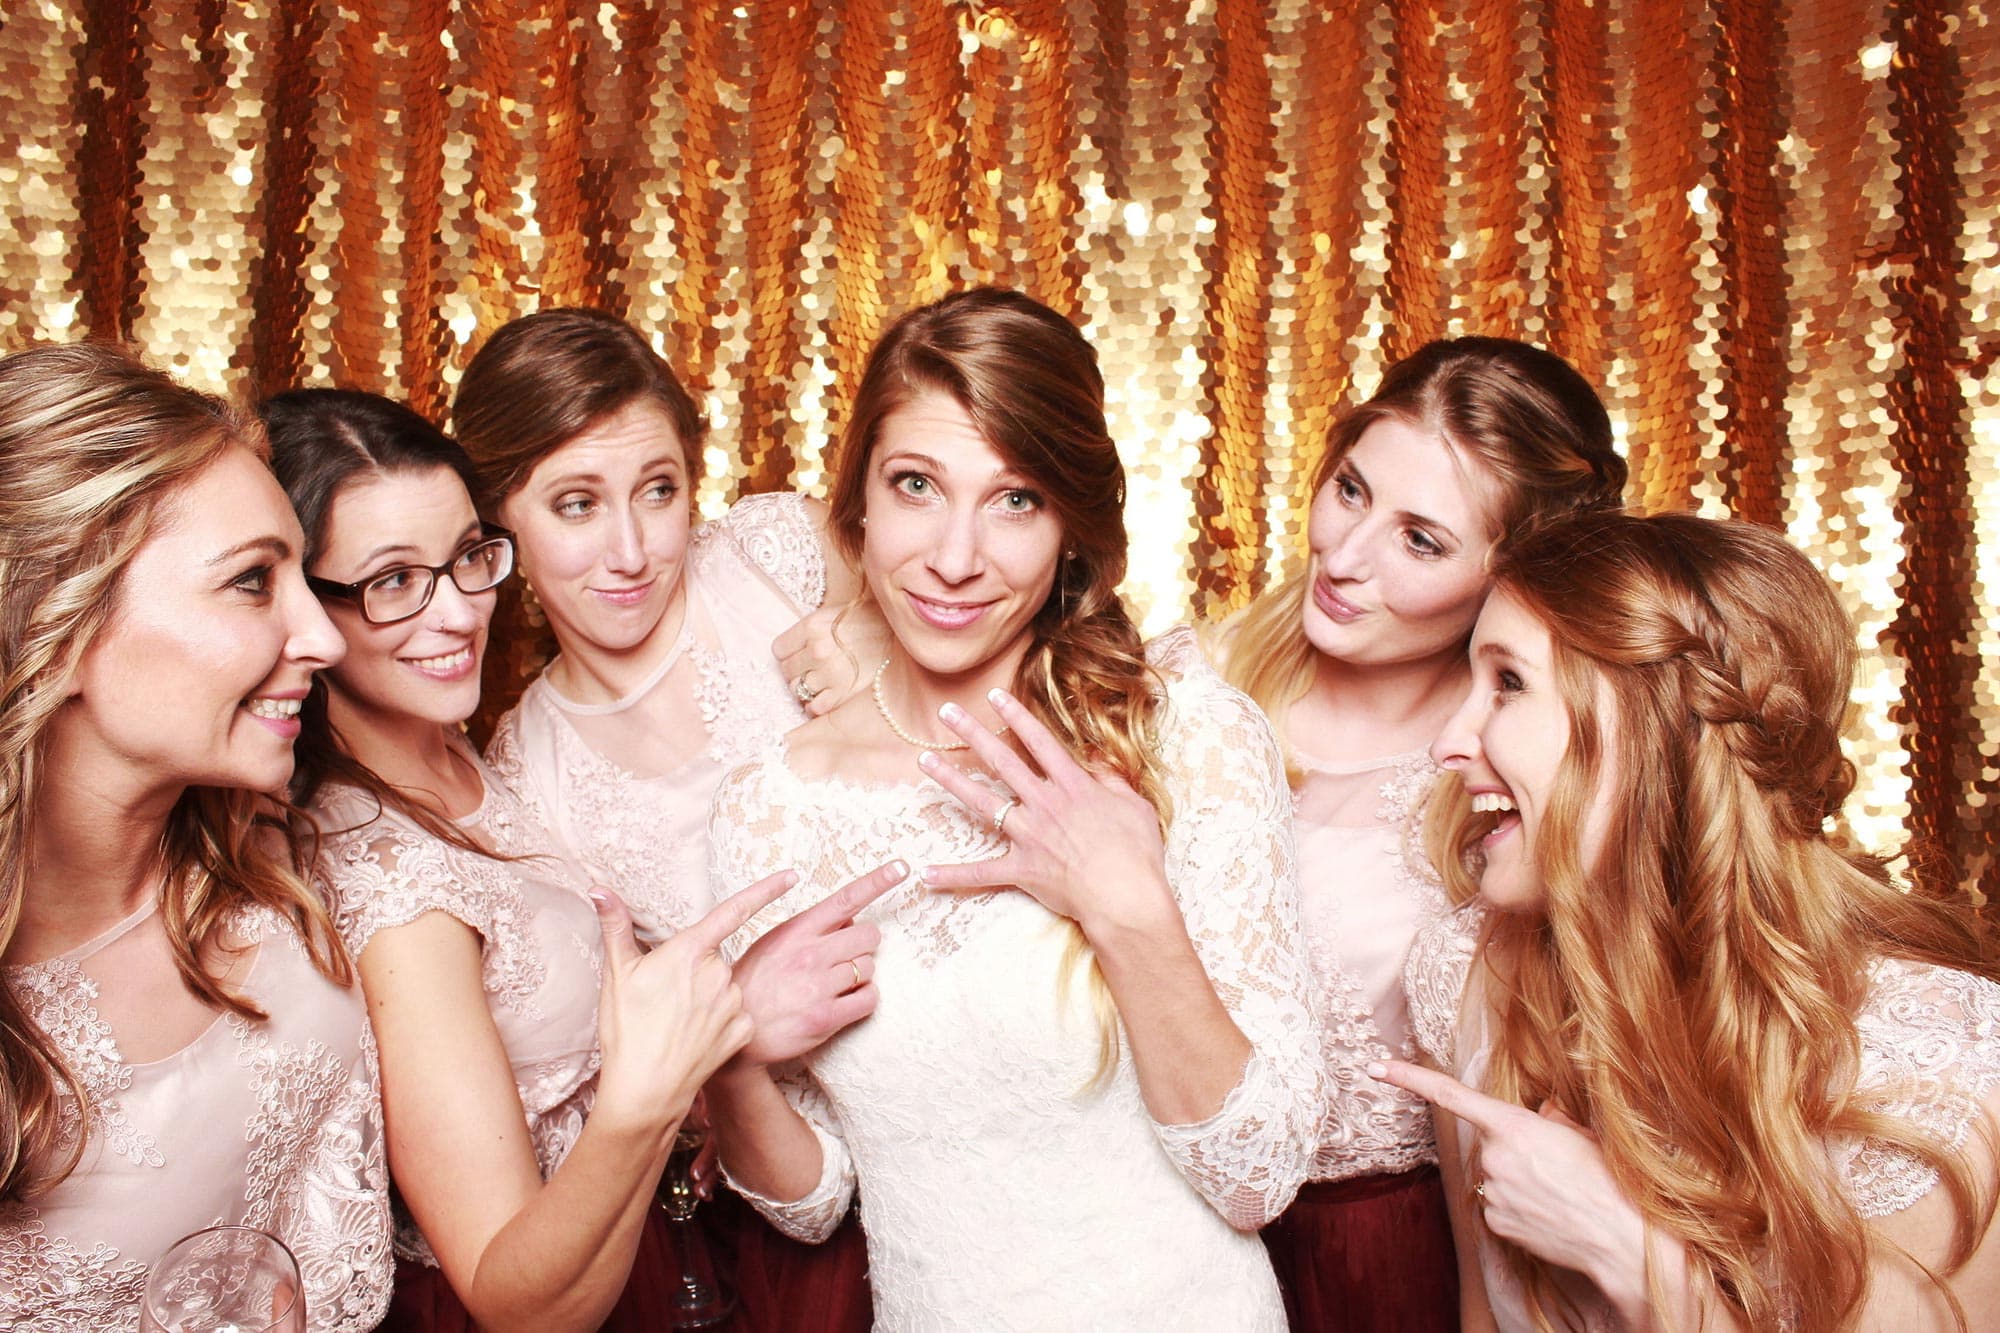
[1000, 815]
[856, 965]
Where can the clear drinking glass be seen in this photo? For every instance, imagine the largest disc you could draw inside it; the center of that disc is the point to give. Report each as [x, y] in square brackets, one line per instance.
[700, 1299]
[224, 1280]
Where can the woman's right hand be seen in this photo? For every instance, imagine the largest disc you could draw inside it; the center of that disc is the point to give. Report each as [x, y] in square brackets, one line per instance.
[808, 977]
[668, 1019]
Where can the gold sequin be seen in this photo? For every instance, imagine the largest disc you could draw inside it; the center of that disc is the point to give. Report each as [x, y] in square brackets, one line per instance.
[1768, 235]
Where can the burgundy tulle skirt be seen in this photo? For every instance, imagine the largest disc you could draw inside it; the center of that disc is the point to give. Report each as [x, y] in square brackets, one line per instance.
[780, 1286]
[1366, 1254]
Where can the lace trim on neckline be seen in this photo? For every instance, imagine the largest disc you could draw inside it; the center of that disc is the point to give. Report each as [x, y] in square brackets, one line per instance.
[682, 641]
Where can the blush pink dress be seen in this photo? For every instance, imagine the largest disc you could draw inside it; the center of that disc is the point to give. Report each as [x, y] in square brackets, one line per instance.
[636, 820]
[1367, 1244]
[198, 1118]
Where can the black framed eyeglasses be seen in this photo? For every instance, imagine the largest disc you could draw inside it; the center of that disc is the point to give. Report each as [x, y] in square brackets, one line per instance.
[404, 591]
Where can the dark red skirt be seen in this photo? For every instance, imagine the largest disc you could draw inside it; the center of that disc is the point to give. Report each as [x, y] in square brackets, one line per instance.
[778, 1285]
[1365, 1254]
[783, 1286]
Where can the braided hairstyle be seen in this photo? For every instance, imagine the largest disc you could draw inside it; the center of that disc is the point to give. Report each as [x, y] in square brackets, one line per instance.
[1691, 995]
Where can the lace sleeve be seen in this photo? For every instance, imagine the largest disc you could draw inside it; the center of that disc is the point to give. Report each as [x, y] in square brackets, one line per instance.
[385, 874]
[1930, 1056]
[1230, 861]
[1434, 981]
[777, 536]
[746, 841]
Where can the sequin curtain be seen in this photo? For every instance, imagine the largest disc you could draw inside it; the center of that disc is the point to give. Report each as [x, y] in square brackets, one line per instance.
[1766, 229]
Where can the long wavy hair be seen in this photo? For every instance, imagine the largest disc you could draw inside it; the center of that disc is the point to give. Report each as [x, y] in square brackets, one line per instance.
[1522, 413]
[322, 440]
[92, 443]
[1691, 994]
[1030, 383]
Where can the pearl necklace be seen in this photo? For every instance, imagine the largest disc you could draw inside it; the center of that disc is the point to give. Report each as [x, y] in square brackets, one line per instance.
[882, 707]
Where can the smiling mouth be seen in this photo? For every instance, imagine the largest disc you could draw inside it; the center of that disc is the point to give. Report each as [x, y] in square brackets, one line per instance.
[629, 596]
[1505, 815]
[1332, 603]
[947, 615]
[275, 710]
[449, 666]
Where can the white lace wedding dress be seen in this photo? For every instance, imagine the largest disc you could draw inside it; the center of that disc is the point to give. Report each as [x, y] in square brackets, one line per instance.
[1930, 1054]
[1000, 1188]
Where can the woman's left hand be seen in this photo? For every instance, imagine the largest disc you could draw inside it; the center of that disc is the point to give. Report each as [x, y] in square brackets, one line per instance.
[1544, 1184]
[1085, 845]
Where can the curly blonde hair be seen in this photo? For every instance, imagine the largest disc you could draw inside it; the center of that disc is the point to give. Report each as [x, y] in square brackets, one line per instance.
[92, 442]
[1691, 994]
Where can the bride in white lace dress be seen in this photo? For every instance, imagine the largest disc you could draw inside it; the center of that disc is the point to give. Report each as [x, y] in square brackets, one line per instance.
[1786, 1070]
[1092, 1072]
[183, 1044]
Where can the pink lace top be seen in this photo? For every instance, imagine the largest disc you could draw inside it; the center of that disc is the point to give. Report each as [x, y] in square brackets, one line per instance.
[1930, 1055]
[540, 949]
[274, 1124]
[629, 809]
[1365, 889]
[963, 1106]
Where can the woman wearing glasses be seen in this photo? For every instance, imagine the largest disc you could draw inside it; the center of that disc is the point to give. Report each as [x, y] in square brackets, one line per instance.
[535, 1067]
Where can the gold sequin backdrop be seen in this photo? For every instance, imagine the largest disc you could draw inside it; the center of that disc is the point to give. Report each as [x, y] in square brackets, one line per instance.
[1766, 229]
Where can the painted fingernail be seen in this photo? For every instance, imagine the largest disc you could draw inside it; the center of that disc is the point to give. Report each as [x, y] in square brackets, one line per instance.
[927, 760]
[998, 697]
[899, 869]
[950, 712]
[1376, 1069]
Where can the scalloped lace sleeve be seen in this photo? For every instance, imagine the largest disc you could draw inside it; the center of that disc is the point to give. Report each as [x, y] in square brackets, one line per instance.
[1930, 1055]
[386, 873]
[747, 842]
[1434, 981]
[777, 536]
[1231, 864]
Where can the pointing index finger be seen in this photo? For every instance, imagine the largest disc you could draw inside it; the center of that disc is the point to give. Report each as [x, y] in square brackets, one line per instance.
[728, 916]
[1482, 1112]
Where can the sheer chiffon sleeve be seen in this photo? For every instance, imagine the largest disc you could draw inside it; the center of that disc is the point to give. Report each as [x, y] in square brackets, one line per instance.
[1230, 862]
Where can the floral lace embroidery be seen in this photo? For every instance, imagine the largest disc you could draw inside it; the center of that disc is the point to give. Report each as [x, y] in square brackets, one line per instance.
[312, 1175]
[1229, 858]
[1930, 1054]
[1370, 1126]
[1434, 981]
[49, 1285]
[743, 705]
[387, 874]
[61, 998]
[777, 536]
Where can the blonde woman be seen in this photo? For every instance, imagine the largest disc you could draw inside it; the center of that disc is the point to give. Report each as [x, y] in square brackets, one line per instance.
[169, 972]
[1710, 1069]
[1358, 659]
[1090, 1074]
